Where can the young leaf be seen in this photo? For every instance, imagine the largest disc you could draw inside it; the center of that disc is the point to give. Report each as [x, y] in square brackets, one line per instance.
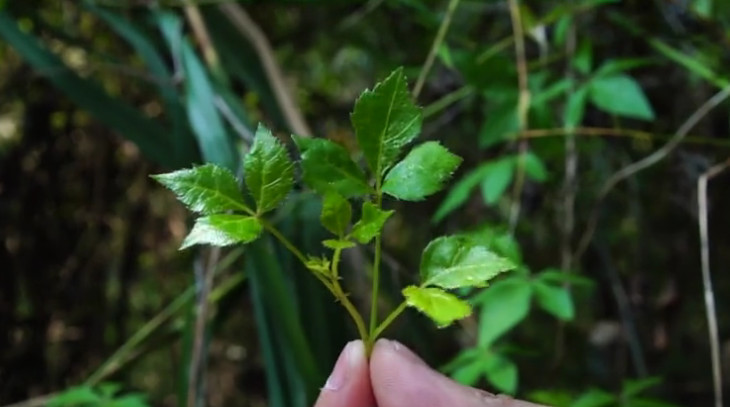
[421, 173]
[370, 224]
[269, 173]
[455, 261]
[385, 119]
[223, 230]
[439, 305]
[501, 372]
[327, 167]
[555, 300]
[318, 265]
[497, 179]
[336, 244]
[206, 189]
[503, 306]
[336, 213]
[620, 95]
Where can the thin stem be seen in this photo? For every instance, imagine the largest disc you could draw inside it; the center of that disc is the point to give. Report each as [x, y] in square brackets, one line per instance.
[387, 321]
[707, 278]
[440, 35]
[376, 271]
[281, 238]
[447, 100]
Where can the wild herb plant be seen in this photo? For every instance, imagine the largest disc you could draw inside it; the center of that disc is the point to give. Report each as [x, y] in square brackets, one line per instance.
[385, 121]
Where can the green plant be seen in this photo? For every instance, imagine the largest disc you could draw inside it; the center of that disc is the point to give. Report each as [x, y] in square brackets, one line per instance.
[385, 120]
[104, 395]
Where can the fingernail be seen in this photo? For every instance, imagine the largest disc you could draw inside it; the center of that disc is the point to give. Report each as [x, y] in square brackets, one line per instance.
[343, 366]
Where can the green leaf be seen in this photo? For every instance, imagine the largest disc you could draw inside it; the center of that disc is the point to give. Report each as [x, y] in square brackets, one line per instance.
[501, 121]
[75, 396]
[615, 66]
[455, 261]
[501, 372]
[555, 300]
[583, 59]
[336, 244]
[594, 398]
[470, 373]
[460, 192]
[620, 95]
[370, 223]
[534, 167]
[632, 388]
[327, 167]
[318, 264]
[503, 306]
[496, 179]
[439, 305]
[269, 173]
[555, 276]
[385, 119]
[223, 230]
[422, 173]
[336, 213]
[205, 189]
[575, 108]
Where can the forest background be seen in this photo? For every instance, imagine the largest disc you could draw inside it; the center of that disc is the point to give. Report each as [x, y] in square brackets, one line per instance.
[595, 135]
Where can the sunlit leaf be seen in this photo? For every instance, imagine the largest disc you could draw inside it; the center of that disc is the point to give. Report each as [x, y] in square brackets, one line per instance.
[327, 167]
[205, 189]
[503, 306]
[223, 230]
[421, 173]
[370, 223]
[269, 173]
[385, 119]
[620, 95]
[336, 213]
[439, 305]
[455, 261]
[555, 300]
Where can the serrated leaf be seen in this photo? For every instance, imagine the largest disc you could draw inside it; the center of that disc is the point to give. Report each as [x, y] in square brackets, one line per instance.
[385, 119]
[269, 173]
[455, 261]
[594, 398]
[534, 167]
[555, 300]
[318, 264]
[370, 223]
[421, 173]
[206, 189]
[442, 307]
[223, 230]
[336, 213]
[503, 306]
[337, 244]
[496, 179]
[501, 372]
[327, 167]
[620, 95]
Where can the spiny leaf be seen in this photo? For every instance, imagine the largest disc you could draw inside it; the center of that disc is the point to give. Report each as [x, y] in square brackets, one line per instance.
[336, 213]
[370, 223]
[455, 261]
[422, 173]
[385, 119]
[205, 189]
[269, 173]
[439, 305]
[223, 230]
[327, 167]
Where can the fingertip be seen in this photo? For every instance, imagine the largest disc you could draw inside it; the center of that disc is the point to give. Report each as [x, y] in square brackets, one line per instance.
[349, 382]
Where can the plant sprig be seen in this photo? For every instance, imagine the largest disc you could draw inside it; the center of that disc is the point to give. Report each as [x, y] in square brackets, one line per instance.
[385, 120]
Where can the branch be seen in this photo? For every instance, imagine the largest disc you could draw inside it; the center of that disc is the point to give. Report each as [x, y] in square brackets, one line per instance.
[249, 29]
[646, 162]
[706, 278]
[440, 35]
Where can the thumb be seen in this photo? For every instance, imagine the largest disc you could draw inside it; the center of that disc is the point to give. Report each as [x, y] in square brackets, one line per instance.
[400, 378]
[349, 382]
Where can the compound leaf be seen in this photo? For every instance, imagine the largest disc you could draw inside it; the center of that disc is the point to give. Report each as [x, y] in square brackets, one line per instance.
[336, 213]
[455, 261]
[327, 167]
[223, 230]
[269, 173]
[422, 173]
[370, 223]
[205, 189]
[439, 305]
[385, 119]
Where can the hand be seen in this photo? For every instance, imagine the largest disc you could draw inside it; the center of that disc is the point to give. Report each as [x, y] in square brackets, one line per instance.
[398, 378]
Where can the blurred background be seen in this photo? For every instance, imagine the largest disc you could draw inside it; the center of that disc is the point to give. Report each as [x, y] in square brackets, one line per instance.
[585, 126]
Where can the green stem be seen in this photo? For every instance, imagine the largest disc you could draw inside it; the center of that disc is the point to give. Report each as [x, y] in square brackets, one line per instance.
[388, 320]
[440, 35]
[281, 238]
[344, 299]
[376, 277]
